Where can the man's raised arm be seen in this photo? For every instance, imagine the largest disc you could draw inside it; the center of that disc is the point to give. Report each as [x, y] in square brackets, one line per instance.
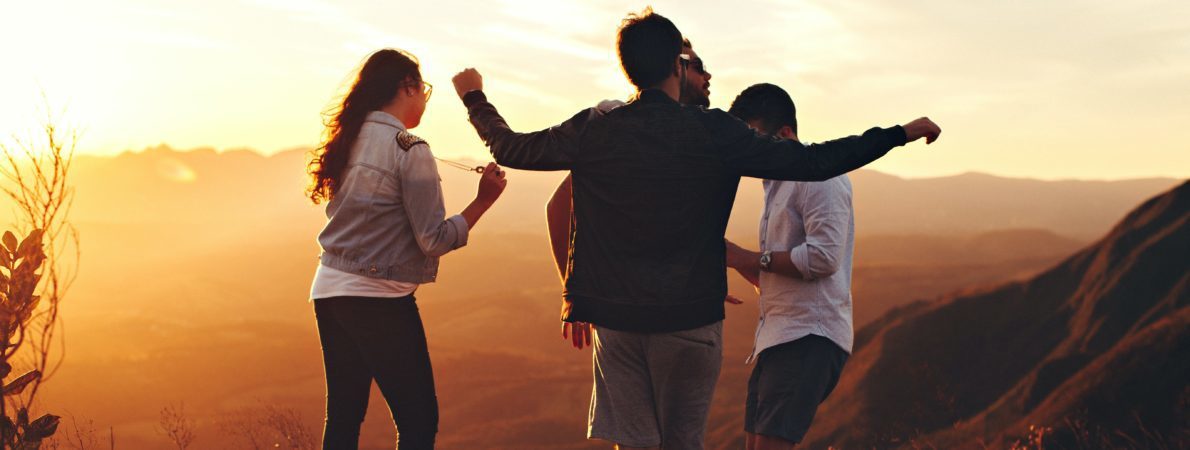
[553, 148]
[753, 155]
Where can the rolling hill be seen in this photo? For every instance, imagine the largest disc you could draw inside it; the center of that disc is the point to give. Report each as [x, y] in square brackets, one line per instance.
[1095, 348]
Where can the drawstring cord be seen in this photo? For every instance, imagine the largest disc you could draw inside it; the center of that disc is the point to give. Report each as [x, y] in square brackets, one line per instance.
[461, 166]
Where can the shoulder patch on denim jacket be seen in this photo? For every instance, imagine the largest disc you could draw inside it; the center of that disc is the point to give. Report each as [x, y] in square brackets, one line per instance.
[407, 140]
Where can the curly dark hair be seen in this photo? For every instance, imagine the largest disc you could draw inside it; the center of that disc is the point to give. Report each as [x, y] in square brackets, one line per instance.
[383, 74]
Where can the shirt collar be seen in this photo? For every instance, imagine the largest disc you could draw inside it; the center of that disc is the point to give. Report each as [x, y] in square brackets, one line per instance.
[384, 118]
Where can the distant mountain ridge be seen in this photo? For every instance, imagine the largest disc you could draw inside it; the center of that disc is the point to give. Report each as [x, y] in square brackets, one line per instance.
[987, 247]
[1096, 348]
[162, 183]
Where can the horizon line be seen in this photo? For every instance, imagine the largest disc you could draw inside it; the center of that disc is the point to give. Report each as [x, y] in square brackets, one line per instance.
[298, 148]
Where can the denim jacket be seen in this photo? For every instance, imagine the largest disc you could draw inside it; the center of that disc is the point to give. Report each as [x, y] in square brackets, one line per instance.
[387, 218]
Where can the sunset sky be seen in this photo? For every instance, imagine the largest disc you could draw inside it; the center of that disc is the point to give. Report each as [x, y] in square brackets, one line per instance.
[1047, 89]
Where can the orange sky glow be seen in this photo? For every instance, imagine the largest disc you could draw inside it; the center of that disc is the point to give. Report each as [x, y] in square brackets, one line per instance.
[1033, 89]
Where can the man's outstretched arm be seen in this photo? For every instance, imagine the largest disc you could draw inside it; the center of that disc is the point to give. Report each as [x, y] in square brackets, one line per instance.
[753, 155]
[553, 148]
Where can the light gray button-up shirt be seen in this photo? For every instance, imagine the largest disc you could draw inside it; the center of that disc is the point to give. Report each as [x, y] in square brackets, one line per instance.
[813, 224]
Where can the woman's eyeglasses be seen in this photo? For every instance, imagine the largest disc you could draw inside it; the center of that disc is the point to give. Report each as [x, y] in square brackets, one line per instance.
[426, 88]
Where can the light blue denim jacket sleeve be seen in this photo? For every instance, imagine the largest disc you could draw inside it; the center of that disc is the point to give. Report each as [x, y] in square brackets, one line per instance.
[421, 191]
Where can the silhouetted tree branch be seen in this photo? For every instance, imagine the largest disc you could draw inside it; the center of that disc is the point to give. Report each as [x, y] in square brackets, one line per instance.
[34, 275]
[176, 426]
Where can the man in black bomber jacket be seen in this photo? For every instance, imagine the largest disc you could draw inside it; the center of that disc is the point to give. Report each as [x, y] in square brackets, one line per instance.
[654, 182]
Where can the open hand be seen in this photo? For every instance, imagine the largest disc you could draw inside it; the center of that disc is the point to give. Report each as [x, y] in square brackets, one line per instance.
[579, 333]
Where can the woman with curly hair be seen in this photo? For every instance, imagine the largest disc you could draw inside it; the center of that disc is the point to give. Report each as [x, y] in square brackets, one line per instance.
[385, 231]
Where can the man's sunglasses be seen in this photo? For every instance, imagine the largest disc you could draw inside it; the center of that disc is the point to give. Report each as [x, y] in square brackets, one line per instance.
[693, 63]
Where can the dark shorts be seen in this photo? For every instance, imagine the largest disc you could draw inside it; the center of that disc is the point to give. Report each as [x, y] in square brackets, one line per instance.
[788, 383]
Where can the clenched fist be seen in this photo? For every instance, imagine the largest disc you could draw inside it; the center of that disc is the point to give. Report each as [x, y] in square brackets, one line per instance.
[491, 184]
[923, 127]
[466, 81]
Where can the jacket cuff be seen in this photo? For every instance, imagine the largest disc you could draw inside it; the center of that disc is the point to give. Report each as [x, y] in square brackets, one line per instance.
[896, 135]
[801, 259]
[473, 97]
[462, 230]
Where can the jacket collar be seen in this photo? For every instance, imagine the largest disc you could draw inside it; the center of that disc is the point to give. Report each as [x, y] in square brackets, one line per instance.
[382, 117]
[653, 95]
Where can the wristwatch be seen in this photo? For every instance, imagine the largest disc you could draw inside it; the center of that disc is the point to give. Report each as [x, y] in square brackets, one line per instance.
[766, 259]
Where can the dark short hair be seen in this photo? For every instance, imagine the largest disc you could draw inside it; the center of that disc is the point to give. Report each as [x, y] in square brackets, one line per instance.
[768, 104]
[648, 45]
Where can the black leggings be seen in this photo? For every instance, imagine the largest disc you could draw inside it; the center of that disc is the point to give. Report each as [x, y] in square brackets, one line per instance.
[383, 339]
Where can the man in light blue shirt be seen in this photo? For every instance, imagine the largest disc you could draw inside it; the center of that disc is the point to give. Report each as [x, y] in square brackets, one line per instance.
[803, 270]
